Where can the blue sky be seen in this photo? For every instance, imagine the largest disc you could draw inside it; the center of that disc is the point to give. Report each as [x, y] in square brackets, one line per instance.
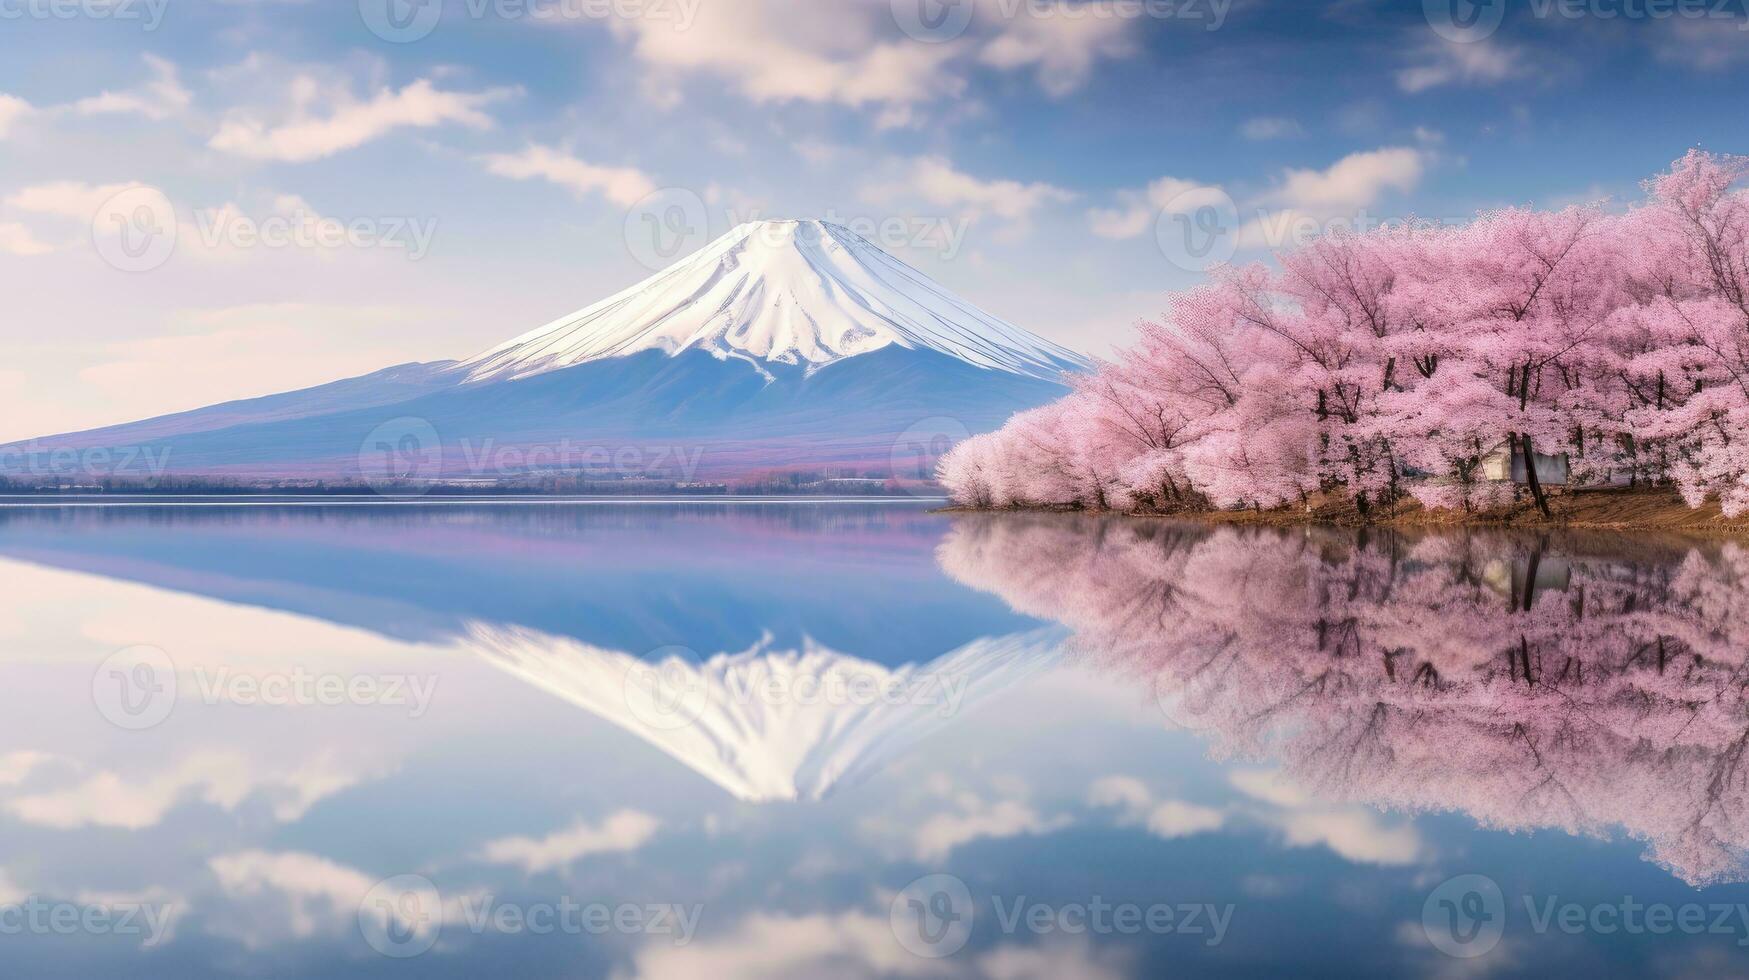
[433, 196]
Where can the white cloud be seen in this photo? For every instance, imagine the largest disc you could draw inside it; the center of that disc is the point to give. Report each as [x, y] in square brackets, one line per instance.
[1167, 819]
[1061, 46]
[1125, 793]
[1175, 818]
[1709, 44]
[324, 120]
[936, 181]
[1353, 832]
[937, 836]
[158, 99]
[859, 945]
[853, 54]
[1271, 128]
[1138, 210]
[624, 186]
[797, 50]
[626, 830]
[852, 945]
[1354, 181]
[12, 109]
[1466, 63]
[16, 239]
[66, 198]
[221, 778]
[16, 767]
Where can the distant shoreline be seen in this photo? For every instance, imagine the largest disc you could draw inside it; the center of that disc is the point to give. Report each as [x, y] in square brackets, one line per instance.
[51, 500]
[1591, 509]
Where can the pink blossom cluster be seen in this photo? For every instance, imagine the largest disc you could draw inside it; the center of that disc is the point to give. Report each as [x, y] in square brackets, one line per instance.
[1586, 682]
[1399, 361]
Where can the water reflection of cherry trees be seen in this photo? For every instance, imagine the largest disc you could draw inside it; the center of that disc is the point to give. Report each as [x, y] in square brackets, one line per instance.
[1583, 682]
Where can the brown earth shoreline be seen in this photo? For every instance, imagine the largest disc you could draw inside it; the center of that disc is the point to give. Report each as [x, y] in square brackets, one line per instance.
[1601, 508]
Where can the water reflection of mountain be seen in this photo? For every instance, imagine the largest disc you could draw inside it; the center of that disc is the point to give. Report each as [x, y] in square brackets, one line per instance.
[710, 576]
[1584, 682]
[771, 724]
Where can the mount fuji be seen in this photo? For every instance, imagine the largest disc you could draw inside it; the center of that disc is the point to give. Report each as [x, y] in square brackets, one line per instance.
[782, 346]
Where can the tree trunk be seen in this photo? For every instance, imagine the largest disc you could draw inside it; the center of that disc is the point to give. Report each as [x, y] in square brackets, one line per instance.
[1536, 484]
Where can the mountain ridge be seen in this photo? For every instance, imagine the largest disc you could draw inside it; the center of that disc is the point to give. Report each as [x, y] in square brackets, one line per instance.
[781, 346]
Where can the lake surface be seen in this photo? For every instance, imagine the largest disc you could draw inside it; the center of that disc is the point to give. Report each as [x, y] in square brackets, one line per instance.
[846, 739]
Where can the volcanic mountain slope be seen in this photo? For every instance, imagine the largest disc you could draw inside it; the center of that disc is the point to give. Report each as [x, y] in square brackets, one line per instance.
[782, 345]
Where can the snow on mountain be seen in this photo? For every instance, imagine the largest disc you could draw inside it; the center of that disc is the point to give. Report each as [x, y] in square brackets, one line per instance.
[763, 724]
[789, 292]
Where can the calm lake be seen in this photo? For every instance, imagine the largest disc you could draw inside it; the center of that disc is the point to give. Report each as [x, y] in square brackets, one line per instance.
[799, 739]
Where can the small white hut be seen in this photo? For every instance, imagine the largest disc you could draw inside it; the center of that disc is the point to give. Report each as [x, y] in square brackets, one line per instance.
[1504, 464]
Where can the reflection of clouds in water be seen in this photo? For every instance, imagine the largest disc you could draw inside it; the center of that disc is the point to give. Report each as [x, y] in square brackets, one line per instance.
[224, 779]
[1356, 833]
[1569, 681]
[619, 832]
[859, 945]
[1134, 805]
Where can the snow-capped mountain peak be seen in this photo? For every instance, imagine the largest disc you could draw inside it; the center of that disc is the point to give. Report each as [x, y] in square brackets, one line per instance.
[788, 292]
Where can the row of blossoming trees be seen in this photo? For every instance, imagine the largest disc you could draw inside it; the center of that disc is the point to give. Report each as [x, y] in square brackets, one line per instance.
[1396, 362]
